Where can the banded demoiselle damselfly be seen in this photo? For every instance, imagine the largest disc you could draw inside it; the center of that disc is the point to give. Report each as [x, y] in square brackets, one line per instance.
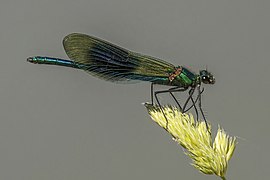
[113, 63]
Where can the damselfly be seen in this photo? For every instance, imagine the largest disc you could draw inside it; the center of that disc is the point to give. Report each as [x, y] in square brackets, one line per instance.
[113, 63]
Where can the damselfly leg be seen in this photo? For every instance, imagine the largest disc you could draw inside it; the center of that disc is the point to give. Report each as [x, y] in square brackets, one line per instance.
[170, 91]
[198, 99]
[183, 109]
[200, 107]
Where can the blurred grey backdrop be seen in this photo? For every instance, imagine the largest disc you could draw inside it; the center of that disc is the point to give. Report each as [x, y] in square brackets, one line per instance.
[61, 123]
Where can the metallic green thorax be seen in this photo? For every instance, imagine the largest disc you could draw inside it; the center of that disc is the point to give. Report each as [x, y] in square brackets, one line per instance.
[186, 78]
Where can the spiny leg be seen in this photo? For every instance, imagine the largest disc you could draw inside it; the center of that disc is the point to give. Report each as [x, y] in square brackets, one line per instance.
[167, 122]
[152, 89]
[175, 89]
[195, 100]
[196, 110]
[191, 92]
[200, 107]
[194, 104]
[171, 90]
[174, 98]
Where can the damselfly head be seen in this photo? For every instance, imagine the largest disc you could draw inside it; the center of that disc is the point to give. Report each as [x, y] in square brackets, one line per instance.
[207, 77]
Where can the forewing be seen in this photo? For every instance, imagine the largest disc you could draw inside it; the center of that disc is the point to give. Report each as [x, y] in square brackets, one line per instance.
[113, 63]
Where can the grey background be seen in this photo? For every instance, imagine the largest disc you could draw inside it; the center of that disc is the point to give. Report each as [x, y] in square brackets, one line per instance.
[61, 123]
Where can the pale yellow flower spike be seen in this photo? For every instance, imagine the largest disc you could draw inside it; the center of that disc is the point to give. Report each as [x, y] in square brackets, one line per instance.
[196, 139]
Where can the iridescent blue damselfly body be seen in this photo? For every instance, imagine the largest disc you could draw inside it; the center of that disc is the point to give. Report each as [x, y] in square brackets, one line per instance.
[116, 64]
